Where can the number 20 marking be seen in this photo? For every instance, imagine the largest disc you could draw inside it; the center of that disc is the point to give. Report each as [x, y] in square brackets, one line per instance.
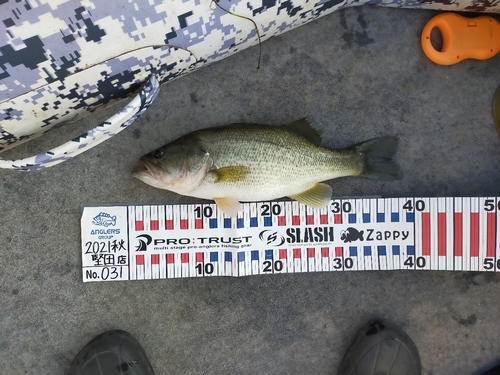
[269, 266]
[268, 208]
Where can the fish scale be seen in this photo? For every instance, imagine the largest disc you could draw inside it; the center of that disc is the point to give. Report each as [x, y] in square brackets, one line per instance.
[272, 171]
[199, 240]
[258, 162]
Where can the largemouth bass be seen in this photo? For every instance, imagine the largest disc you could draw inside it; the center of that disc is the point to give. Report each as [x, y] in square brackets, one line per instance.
[251, 162]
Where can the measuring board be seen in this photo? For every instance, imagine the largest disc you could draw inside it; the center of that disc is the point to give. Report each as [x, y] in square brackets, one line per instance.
[198, 240]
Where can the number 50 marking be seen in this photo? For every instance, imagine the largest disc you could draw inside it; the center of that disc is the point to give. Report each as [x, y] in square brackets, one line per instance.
[489, 205]
[489, 263]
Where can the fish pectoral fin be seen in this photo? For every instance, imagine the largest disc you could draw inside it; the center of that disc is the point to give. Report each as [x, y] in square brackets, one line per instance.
[317, 197]
[231, 174]
[229, 206]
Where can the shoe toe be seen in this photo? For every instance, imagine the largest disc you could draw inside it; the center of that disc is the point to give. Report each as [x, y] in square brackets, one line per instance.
[381, 349]
[112, 352]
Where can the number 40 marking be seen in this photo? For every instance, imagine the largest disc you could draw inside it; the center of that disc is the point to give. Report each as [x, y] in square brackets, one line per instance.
[419, 205]
[420, 262]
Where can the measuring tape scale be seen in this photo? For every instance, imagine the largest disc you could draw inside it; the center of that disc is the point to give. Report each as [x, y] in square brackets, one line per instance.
[198, 240]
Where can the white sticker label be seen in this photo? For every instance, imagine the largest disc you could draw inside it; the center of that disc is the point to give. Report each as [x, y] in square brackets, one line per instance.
[105, 247]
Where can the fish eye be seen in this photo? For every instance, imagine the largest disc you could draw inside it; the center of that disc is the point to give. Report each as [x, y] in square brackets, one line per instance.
[158, 154]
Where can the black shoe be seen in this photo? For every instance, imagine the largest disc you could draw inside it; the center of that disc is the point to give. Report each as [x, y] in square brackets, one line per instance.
[493, 371]
[381, 349]
[112, 352]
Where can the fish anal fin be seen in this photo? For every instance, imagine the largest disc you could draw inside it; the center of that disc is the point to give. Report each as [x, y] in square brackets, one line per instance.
[231, 174]
[317, 197]
[303, 127]
[229, 206]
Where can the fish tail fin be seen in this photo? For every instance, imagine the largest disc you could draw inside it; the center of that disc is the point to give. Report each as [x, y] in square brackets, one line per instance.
[361, 235]
[377, 156]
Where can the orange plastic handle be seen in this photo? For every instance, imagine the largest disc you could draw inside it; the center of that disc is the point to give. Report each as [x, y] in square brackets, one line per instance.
[463, 38]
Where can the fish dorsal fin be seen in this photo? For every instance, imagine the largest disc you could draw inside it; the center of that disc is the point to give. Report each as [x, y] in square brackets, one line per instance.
[317, 197]
[229, 206]
[230, 174]
[303, 127]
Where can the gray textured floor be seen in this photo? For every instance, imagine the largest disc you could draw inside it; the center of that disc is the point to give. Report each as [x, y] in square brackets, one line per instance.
[357, 74]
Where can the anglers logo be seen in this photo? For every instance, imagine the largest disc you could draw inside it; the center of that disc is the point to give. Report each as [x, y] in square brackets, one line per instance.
[271, 238]
[144, 241]
[104, 219]
[351, 234]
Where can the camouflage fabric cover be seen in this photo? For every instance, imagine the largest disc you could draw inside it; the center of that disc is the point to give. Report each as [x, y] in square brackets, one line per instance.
[99, 134]
[61, 59]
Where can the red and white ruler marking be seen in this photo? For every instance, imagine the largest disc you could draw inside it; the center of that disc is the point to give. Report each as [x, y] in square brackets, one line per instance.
[197, 240]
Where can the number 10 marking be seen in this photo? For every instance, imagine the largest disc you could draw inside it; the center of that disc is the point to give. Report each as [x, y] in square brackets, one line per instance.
[209, 269]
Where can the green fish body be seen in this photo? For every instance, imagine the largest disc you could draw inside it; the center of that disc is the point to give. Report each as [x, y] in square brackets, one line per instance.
[251, 162]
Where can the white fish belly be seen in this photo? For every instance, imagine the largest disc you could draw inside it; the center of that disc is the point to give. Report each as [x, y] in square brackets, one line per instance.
[263, 187]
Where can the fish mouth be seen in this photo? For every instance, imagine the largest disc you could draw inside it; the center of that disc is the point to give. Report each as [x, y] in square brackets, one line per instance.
[149, 170]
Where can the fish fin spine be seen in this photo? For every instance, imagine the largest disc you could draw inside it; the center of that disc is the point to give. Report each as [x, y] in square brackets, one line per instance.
[317, 197]
[303, 128]
[229, 206]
